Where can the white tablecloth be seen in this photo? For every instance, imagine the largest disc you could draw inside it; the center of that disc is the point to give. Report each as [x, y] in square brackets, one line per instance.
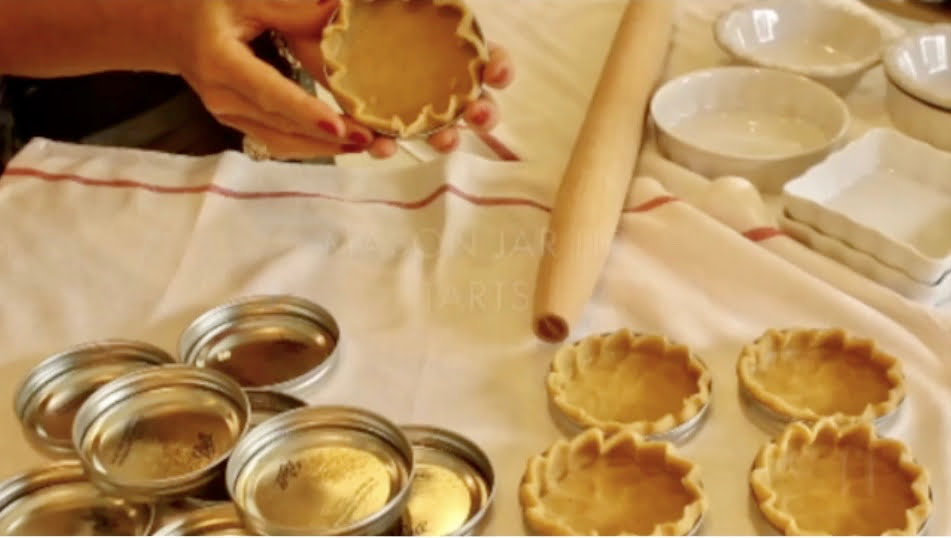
[429, 269]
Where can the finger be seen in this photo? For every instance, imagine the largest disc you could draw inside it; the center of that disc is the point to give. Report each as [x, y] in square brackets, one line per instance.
[483, 114]
[500, 71]
[221, 101]
[308, 53]
[264, 85]
[383, 148]
[298, 17]
[445, 141]
[357, 133]
[285, 145]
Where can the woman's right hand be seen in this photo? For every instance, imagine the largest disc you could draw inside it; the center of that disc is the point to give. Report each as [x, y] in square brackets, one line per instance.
[205, 41]
[248, 94]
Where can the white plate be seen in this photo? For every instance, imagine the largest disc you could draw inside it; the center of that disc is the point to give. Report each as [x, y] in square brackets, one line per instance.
[867, 265]
[886, 194]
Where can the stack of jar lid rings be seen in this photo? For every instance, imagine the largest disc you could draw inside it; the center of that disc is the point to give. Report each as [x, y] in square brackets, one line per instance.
[221, 441]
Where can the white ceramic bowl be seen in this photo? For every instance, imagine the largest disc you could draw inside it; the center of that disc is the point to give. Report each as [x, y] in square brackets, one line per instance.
[825, 42]
[766, 125]
[917, 118]
[920, 64]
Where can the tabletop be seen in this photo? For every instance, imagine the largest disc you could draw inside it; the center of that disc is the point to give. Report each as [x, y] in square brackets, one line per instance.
[428, 264]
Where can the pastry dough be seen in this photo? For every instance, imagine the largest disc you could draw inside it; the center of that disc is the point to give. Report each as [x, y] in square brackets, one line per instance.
[806, 374]
[838, 477]
[404, 67]
[621, 484]
[625, 380]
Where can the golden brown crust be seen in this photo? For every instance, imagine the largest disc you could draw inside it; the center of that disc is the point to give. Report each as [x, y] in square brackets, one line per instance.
[431, 116]
[592, 463]
[806, 374]
[623, 380]
[875, 481]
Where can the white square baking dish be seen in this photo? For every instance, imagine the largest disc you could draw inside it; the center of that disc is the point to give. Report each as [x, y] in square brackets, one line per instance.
[866, 265]
[886, 194]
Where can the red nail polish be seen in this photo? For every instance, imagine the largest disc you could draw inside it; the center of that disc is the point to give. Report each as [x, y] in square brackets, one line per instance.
[351, 148]
[480, 116]
[359, 138]
[328, 127]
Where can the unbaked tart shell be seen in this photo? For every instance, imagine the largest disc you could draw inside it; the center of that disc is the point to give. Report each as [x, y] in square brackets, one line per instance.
[838, 477]
[624, 380]
[599, 484]
[807, 374]
[404, 67]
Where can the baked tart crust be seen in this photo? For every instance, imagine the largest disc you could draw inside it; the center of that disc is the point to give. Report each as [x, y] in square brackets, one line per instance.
[600, 484]
[839, 477]
[807, 374]
[624, 380]
[404, 67]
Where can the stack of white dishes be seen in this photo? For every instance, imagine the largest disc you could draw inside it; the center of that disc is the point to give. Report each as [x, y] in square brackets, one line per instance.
[780, 110]
[918, 98]
[882, 206]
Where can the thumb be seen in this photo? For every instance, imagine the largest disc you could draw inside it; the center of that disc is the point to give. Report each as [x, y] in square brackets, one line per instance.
[293, 17]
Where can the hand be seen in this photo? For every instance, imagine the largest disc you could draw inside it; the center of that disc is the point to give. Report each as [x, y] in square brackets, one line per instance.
[248, 94]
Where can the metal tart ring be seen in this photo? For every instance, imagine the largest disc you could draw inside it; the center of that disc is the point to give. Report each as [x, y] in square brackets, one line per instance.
[285, 52]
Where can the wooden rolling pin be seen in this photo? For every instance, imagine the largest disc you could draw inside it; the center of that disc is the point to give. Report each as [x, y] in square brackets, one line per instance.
[596, 181]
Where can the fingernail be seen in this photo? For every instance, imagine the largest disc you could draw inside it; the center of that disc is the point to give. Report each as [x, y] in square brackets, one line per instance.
[359, 138]
[480, 116]
[351, 148]
[328, 127]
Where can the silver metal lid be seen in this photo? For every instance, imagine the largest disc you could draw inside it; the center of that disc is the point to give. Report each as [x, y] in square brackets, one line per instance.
[321, 471]
[276, 342]
[160, 433]
[453, 486]
[58, 500]
[266, 404]
[220, 519]
[48, 398]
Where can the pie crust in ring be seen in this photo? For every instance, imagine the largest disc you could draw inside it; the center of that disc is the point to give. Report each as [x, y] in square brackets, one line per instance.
[807, 374]
[601, 484]
[624, 380]
[838, 477]
[404, 68]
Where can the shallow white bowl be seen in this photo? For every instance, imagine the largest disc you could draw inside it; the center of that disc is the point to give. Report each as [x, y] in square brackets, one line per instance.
[825, 42]
[766, 125]
[920, 64]
[917, 118]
